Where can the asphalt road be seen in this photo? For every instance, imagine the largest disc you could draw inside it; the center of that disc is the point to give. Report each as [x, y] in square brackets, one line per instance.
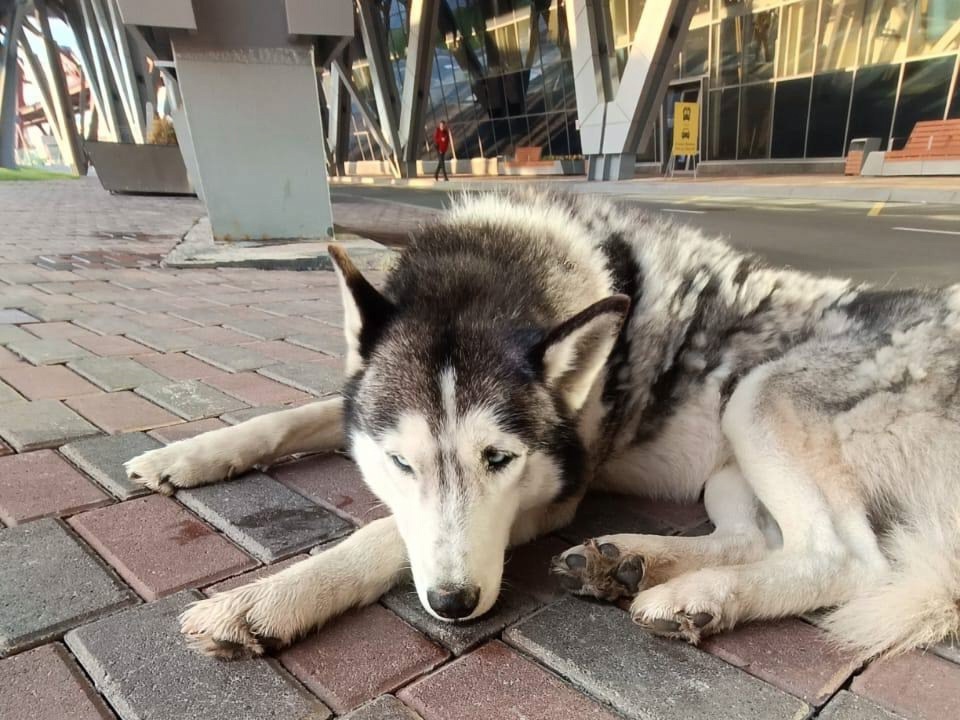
[890, 244]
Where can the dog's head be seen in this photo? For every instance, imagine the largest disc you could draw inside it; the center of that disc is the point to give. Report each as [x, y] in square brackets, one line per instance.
[461, 422]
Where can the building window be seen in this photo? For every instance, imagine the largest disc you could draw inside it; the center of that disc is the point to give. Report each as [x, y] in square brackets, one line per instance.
[874, 97]
[828, 114]
[724, 109]
[792, 101]
[796, 32]
[923, 95]
[756, 104]
[841, 22]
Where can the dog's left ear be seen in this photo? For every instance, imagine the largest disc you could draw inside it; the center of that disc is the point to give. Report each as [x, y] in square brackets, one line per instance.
[573, 353]
[365, 311]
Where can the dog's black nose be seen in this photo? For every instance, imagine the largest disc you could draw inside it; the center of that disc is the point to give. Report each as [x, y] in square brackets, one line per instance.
[454, 601]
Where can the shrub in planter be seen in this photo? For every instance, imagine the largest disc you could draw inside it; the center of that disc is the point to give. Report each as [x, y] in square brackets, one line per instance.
[162, 132]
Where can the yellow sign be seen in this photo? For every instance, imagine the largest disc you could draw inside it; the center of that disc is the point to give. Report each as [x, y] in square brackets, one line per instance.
[686, 128]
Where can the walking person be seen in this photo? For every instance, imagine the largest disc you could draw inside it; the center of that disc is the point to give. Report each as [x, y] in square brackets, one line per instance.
[441, 138]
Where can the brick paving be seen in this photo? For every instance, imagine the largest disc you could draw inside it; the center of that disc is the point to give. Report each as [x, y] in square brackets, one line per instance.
[104, 354]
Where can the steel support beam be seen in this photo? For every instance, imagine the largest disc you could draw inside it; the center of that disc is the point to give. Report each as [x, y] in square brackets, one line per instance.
[423, 16]
[108, 110]
[340, 111]
[9, 81]
[70, 148]
[368, 116]
[374, 33]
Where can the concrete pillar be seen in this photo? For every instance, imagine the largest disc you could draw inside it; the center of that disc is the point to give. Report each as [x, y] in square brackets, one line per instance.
[9, 80]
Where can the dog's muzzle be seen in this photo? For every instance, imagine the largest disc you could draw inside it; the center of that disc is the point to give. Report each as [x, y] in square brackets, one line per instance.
[454, 602]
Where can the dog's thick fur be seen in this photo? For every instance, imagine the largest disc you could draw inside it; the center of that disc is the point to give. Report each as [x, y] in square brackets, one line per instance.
[529, 346]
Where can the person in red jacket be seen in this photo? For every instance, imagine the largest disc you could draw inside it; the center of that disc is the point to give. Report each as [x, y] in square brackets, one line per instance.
[441, 138]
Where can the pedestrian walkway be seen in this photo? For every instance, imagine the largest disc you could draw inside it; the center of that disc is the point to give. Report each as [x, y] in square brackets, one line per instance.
[106, 354]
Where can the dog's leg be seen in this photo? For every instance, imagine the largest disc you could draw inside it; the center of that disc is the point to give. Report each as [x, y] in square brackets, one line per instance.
[615, 566]
[223, 453]
[278, 609]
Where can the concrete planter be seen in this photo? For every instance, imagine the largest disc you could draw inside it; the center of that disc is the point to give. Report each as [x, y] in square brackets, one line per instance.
[544, 167]
[149, 169]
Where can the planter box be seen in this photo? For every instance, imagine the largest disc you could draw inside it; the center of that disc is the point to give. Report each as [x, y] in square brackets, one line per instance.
[149, 169]
[543, 167]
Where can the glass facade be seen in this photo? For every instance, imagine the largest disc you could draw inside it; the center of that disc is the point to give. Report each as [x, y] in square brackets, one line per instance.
[775, 78]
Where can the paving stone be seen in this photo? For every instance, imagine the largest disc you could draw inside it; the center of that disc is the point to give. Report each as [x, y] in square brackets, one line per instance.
[608, 514]
[248, 577]
[102, 458]
[283, 352]
[257, 390]
[49, 582]
[360, 655]
[111, 345]
[238, 416]
[190, 399]
[167, 341]
[182, 431]
[42, 683]
[159, 547]
[385, 707]
[316, 378]
[642, 676]
[333, 481]
[8, 359]
[108, 325]
[63, 330]
[266, 518]
[915, 685]
[790, 654]
[265, 329]
[949, 649]
[113, 374]
[178, 366]
[333, 344]
[217, 336]
[121, 411]
[12, 316]
[496, 681]
[138, 660]
[234, 358]
[47, 382]
[8, 394]
[511, 606]
[50, 351]
[40, 484]
[847, 706]
[528, 568]
[40, 424]
[11, 333]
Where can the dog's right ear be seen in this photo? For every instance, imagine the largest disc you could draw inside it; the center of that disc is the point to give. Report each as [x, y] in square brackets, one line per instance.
[365, 311]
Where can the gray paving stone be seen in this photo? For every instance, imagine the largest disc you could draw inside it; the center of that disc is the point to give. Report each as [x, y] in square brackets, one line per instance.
[41, 424]
[234, 358]
[9, 395]
[316, 378]
[600, 650]
[47, 351]
[115, 373]
[385, 707]
[140, 662]
[49, 583]
[190, 399]
[11, 333]
[267, 329]
[163, 340]
[13, 316]
[263, 516]
[238, 416]
[332, 344]
[949, 649]
[458, 638]
[848, 706]
[107, 325]
[607, 514]
[102, 459]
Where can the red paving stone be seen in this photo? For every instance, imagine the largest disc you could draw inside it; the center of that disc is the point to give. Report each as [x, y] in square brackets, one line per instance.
[361, 655]
[40, 484]
[172, 433]
[261, 572]
[257, 390]
[159, 547]
[179, 366]
[918, 686]
[790, 654]
[122, 412]
[47, 382]
[46, 684]
[112, 345]
[8, 359]
[495, 680]
[334, 482]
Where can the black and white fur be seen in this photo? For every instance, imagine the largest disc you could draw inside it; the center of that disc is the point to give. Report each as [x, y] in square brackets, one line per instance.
[529, 346]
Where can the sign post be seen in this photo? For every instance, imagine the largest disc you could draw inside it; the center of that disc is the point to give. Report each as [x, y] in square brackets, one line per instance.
[686, 132]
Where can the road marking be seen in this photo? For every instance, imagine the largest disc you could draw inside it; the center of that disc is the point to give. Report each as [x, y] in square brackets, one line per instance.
[928, 230]
[875, 210]
[680, 210]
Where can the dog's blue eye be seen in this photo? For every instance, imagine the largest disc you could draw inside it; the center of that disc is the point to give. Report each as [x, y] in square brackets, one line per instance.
[497, 459]
[401, 463]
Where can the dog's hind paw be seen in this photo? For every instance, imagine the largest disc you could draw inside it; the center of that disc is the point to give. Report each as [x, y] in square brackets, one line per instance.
[234, 625]
[599, 569]
[661, 611]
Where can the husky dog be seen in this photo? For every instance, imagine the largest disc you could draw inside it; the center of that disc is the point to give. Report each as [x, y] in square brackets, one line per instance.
[527, 348]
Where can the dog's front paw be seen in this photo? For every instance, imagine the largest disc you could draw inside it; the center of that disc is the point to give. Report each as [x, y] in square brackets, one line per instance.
[600, 569]
[236, 624]
[663, 611]
[183, 464]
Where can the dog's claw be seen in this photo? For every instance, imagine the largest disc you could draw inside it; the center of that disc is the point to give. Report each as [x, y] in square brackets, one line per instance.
[663, 626]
